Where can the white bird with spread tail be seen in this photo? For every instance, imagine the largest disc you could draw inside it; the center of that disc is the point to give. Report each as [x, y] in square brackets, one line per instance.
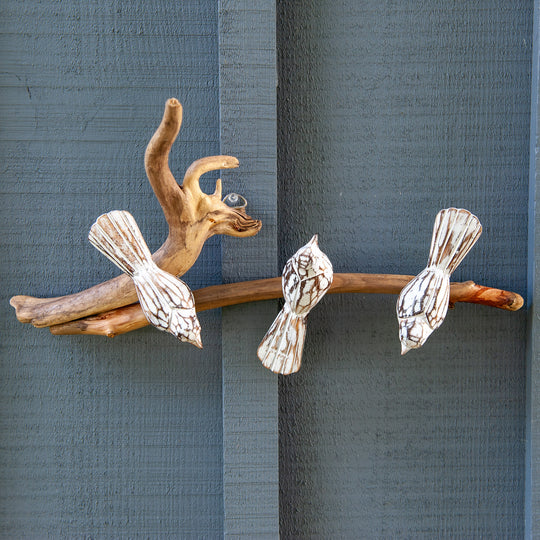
[423, 303]
[167, 302]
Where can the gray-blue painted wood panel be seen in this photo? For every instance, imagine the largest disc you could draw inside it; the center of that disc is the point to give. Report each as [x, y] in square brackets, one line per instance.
[388, 112]
[103, 438]
[532, 461]
[247, 76]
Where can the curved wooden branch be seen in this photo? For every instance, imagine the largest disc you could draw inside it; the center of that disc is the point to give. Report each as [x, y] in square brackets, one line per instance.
[201, 166]
[131, 317]
[156, 160]
[192, 216]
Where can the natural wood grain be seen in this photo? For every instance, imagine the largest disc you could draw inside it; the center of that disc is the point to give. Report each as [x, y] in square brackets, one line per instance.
[192, 216]
[126, 319]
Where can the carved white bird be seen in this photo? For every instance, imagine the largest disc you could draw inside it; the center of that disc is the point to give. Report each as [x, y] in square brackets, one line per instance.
[423, 303]
[167, 302]
[306, 277]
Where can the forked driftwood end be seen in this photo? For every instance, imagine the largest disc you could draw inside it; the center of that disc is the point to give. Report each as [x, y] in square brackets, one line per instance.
[192, 215]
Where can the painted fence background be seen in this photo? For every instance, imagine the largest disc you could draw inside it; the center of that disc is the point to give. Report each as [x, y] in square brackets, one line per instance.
[354, 120]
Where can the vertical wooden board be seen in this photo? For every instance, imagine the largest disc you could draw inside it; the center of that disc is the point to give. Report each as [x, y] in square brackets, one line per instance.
[387, 113]
[248, 131]
[102, 438]
[532, 464]
[250, 427]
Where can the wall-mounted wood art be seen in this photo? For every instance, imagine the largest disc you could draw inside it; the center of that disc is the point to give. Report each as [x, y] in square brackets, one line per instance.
[167, 302]
[111, 308]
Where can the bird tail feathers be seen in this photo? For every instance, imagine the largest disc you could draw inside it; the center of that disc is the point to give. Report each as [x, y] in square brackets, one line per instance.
[118, 237]
[281, 348]
[454, 234]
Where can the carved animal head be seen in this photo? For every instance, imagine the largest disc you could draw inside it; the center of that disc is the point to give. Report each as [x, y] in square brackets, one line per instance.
[224, 216]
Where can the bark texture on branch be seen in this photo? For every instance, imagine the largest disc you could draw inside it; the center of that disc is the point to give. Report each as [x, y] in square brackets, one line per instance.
[131, 317]
[192, 216]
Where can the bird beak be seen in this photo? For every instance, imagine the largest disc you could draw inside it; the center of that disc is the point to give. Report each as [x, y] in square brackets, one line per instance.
[404, 349]
[197, 342]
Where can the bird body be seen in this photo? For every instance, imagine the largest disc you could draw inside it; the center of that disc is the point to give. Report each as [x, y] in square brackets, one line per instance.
[306, 278]
[423, 303]
[167, 302]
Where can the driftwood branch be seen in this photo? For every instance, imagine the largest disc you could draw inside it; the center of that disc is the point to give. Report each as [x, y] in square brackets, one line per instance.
[192, 216]
[110, 308]
[131, 317]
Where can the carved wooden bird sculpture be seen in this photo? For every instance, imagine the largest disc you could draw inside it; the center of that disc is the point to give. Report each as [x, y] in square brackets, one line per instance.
[423, 302]
[306, 278]
[167, 302]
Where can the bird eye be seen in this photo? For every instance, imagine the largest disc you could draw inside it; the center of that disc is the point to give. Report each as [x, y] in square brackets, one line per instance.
[235, 201]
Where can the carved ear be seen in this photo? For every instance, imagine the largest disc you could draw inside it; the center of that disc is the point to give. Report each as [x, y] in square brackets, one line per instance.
[217, 191]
